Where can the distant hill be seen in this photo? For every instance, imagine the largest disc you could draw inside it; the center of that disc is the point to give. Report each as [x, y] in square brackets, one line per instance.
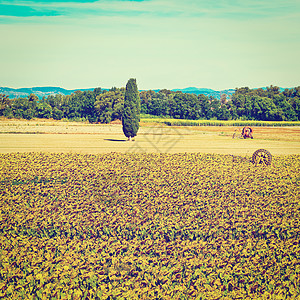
[206, 92]
[38, 91]
[46, 91]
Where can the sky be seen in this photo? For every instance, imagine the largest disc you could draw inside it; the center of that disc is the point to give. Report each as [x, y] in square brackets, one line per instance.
[217, 44]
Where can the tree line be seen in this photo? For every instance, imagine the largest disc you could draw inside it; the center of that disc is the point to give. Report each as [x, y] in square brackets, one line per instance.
[104, 106]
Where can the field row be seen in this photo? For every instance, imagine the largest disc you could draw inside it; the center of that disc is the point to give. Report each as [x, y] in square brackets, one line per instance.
[183, 122]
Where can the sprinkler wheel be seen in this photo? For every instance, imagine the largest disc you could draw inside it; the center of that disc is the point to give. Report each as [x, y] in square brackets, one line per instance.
[262, 157]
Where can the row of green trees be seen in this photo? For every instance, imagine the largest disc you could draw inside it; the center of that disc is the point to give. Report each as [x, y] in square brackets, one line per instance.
[88, 105]
[268, 104]
[104, 106]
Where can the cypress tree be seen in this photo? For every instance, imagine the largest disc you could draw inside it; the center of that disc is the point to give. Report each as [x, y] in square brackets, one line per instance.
[132, 107]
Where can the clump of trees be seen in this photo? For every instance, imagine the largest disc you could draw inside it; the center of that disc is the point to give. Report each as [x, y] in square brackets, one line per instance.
[109, 105]
[93, 106]
[104, 106]
[180, 105]
[268, 104]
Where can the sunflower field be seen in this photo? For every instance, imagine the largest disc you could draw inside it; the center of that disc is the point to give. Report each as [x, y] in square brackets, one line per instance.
[148, 226]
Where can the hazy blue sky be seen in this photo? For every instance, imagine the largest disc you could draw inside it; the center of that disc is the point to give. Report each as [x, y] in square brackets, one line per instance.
[216, 44]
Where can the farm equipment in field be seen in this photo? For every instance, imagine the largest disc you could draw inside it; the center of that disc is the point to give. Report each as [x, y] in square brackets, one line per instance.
[245, 134]
[260, 157]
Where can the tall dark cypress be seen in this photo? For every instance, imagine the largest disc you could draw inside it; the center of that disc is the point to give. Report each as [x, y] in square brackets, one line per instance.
[132, 107]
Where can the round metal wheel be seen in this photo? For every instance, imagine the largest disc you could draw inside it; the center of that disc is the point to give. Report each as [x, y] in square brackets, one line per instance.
[262, 157]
